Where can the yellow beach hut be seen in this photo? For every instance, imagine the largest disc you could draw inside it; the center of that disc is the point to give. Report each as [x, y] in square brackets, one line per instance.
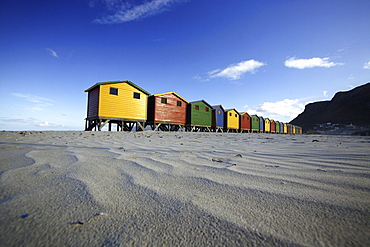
[232, 120]
[120, 102]
[267, 125]
[285, 128]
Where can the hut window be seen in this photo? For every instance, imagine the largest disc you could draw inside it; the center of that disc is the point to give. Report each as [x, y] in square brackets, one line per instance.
[164, 100]
[230, 114]
[207, 109]
[242, 117]
[136, 95]
[113, 91]
[219, 112]
[196, 107]
[236, 115]
[178, 103]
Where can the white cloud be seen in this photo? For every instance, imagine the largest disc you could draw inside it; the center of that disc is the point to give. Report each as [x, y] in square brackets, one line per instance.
[366, 65]
[125, 12]
[235, 71]
[284, 110]
[287, 108]
[325, 93]
[310, 63]
[47, 124]
[52, 53]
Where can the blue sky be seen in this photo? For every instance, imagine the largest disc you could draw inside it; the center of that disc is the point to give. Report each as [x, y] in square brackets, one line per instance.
[267, 57]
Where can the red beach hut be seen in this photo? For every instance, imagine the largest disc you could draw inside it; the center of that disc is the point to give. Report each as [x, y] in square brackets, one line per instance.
[245, 122]
[167, 111]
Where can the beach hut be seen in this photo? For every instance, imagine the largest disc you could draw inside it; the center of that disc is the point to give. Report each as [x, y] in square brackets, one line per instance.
[218, 118]
[272, 126]
[267, 125]
[199, 116]
[285, 128]
[277, 125]
[245, 122]
[262, 124]
[289, 128]
[119, 102]
[167, 111]
[255, 123]
[281, 127]
[232, 120]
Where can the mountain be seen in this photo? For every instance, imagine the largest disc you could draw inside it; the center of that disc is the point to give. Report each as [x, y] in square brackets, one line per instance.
[350, 107]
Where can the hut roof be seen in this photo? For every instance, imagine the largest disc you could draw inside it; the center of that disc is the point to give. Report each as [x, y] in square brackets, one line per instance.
[217, 106]
[193, 102]
[114, 82]
[245, 113]
[159, 94]
[231, 110]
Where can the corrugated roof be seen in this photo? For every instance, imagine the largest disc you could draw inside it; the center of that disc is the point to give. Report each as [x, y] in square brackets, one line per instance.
[114, 82]
[159, 94]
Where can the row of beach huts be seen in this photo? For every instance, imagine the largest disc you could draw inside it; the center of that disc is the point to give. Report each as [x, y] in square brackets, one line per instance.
[126, 106]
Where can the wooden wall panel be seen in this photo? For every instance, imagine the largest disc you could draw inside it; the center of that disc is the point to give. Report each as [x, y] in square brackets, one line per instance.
[232, 121]
[93, 103]
[123, 105]
[245, 121]
[200, 117]
[267, 125]
[169, 112]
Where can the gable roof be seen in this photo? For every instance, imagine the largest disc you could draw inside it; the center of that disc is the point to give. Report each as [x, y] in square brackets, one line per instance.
[114, 82]
[214, 107]
[193, 102]
[226, 110]
[245, 113]
[178, 96]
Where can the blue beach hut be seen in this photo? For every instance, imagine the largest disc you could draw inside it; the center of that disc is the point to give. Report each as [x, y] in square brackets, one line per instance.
[262, 124]
[218, 118]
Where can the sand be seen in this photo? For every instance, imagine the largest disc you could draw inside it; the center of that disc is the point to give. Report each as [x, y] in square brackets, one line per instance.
[183, 189]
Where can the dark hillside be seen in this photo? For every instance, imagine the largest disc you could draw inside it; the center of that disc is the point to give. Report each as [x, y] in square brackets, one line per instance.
[351, 107]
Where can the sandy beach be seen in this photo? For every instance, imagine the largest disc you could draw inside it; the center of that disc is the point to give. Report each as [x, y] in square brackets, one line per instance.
[183, 189]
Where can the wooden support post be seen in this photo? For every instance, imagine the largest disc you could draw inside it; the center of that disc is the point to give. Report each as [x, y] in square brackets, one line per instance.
[156, 128]
[101, 126]
[139, 126]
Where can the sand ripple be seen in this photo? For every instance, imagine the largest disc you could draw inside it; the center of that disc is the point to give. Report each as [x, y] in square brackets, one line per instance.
[187, 189]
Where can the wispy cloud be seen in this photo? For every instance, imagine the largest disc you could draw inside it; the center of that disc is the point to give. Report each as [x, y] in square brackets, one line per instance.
[52, 53]
[125, 12]
[31, 122]
[366, 65]
[38, 103]
[32, 98]
[325, 93]
[235, 71]
[310, 63]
